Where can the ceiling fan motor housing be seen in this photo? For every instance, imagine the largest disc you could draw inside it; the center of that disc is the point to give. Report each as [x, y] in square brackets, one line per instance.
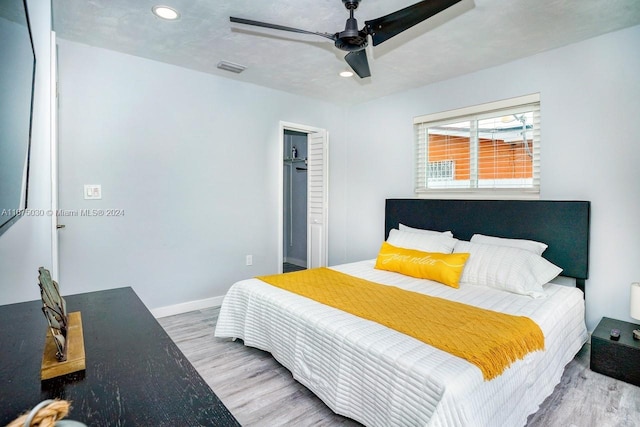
[351, 39]
[351, 4]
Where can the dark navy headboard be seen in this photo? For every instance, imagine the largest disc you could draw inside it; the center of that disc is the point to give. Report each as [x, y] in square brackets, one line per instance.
[563, 225]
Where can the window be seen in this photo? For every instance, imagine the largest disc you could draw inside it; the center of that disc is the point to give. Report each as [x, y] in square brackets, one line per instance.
[442, 170]
[489, 148]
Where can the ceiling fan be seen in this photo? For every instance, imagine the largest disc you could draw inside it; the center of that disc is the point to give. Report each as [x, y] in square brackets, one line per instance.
[381, 29]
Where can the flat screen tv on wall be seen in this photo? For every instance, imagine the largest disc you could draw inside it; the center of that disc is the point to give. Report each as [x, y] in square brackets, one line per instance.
[17, 73]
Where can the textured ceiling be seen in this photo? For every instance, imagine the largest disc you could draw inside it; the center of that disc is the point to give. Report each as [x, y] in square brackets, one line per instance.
[467, 37]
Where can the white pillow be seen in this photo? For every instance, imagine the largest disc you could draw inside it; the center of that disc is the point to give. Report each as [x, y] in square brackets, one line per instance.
[509, 269]
[421, 230]
[529, 245]
[421, 241]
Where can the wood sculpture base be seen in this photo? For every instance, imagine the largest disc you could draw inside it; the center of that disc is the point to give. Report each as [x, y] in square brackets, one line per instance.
[51, 368]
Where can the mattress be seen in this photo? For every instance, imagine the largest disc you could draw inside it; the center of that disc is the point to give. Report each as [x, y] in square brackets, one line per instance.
[380, 377]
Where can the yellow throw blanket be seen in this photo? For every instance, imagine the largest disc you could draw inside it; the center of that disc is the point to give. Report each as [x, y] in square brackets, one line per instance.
[488, 339]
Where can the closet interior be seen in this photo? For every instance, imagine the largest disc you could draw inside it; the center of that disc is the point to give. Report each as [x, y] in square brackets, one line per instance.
[295, 201]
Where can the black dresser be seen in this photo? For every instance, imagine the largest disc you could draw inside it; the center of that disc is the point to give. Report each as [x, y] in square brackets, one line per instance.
[135, 374]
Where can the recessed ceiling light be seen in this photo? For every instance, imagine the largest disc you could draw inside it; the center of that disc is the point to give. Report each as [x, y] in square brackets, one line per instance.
[165, 12]
[346, 74]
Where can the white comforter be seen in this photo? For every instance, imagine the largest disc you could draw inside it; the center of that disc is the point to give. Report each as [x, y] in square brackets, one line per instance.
[381, 377]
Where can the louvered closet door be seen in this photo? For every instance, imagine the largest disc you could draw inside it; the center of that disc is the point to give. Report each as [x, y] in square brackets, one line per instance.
[317, 197]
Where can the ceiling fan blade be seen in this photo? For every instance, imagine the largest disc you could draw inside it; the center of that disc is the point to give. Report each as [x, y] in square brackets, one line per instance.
[280, 27]
[358, 62]
[385, 27]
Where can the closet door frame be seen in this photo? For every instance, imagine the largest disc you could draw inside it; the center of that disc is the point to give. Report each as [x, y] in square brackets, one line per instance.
[318, 211]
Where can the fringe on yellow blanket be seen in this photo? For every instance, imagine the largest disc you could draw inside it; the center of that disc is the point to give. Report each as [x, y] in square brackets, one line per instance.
[490, 340]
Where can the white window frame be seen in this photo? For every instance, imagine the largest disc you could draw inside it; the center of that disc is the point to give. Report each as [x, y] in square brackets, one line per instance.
[473, 113]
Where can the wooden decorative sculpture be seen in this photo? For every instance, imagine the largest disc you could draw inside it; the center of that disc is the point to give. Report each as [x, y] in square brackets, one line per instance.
[64, 344]
[55, 311]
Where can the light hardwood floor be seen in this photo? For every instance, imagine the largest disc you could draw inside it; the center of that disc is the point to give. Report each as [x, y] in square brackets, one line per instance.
[261, 392]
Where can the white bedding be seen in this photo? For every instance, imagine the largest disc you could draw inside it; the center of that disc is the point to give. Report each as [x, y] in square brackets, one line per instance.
[381, 377]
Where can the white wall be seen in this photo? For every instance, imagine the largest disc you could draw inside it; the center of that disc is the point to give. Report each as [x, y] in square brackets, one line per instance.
[192, 159]
[198, 189]
[27, 244]
[590, 104]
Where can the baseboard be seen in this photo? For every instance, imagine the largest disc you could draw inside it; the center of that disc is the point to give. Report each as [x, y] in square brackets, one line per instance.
[185, 307]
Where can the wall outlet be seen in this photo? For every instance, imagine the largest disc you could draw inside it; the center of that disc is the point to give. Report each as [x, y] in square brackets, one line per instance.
[249, 260]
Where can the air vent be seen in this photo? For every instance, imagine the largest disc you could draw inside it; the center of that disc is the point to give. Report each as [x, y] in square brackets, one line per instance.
[230, 66]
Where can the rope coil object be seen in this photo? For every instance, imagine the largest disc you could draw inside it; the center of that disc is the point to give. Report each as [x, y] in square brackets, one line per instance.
[45, 414]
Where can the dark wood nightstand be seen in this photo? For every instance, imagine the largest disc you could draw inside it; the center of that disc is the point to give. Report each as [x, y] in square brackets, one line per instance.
[617, 359]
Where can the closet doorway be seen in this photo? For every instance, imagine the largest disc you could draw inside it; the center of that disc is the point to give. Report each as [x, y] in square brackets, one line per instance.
[303, 219]
[295, 201]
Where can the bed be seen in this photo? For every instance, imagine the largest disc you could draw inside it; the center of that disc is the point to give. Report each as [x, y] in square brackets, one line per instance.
[381, 377]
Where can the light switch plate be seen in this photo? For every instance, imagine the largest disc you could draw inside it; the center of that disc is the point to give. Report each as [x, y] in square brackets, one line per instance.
[92, 191]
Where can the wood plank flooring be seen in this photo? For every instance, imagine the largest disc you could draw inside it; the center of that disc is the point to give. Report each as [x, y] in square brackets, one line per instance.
[287, 267]
[260, 392]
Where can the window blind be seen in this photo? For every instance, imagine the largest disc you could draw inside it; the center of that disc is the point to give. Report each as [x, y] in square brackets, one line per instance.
[492, 147]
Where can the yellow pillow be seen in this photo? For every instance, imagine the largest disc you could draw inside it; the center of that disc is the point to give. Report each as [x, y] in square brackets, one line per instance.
[441, 267]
